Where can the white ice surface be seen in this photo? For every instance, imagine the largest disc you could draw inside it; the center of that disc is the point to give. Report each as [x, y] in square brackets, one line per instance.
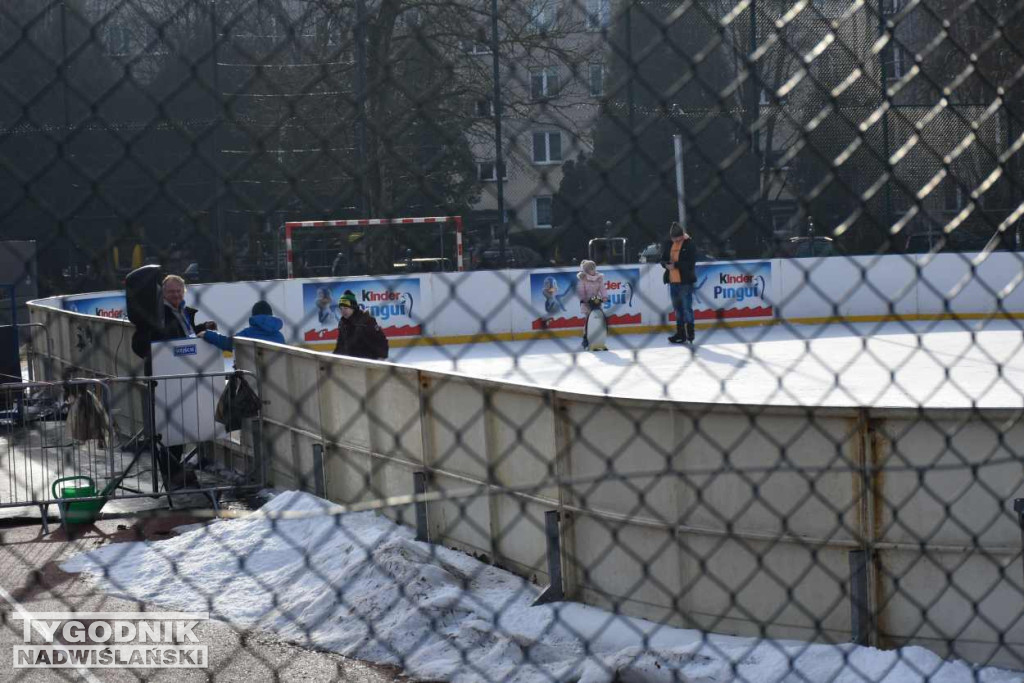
[361, 586]
[907, 364]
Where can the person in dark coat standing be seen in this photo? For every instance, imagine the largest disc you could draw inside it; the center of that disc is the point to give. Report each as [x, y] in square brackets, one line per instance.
[263, 324]
[359, 334]
[679, 258]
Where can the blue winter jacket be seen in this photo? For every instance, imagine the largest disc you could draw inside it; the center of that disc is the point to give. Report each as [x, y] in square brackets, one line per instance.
[265, 327]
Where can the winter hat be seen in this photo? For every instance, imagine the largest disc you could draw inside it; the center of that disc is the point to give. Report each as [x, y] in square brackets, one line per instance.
[676, 230]
[348, 299]
[262, 308]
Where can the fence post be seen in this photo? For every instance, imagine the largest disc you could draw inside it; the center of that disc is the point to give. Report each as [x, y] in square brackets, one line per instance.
[1018, 507]
[419, 487]
[258, 466]
[318, 471]
[554, 592]
[149, 427]
[860, 611]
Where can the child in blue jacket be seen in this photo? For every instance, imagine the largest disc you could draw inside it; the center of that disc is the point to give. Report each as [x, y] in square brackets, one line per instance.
[262, 325]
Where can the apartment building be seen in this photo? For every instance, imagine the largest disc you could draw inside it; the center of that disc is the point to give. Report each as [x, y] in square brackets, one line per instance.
[552, 82]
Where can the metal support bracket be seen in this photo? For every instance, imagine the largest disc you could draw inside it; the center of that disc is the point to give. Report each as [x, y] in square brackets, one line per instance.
[860, 609]
[419, 487]
[554, 592]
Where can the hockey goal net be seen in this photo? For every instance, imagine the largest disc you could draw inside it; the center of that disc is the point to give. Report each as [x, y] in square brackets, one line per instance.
[291, 226]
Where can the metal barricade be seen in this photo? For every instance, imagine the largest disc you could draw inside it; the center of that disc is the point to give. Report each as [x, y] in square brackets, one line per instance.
[62, 447]
[30, 351]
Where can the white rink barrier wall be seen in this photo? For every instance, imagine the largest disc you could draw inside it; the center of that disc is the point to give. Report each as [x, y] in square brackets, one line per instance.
[759, 544]
[447, 308]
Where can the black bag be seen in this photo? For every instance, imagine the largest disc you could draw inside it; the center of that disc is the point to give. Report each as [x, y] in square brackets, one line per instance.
[238, 403]
[379, 342]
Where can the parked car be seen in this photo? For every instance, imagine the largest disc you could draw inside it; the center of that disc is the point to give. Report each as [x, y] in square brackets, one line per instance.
[651, 253]
[957, 241]
[804, 247]
[423, 265]
[516, 256]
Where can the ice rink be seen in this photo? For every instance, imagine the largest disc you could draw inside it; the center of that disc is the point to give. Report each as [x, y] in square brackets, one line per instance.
[904, 364]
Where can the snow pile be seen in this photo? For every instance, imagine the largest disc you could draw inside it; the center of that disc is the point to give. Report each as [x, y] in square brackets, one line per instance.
[361, 586]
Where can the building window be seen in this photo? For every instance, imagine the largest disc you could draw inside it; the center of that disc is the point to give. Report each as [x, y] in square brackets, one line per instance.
[485, 171]
[541, 14]
[891, 6]
[543, 83]
[542, 212]
[482, 108]
[596, 80]
[478, 46]
[119, 40]
[547, 147]
[895, 59]
[599, 14]
[411, 17]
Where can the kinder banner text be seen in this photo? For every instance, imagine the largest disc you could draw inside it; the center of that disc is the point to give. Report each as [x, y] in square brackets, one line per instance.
[105, 306]
[394, 303]
[732, 290]
[555, 303]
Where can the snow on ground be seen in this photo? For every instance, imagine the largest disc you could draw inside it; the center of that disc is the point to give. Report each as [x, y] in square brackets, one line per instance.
[908, 364]
[360, 585]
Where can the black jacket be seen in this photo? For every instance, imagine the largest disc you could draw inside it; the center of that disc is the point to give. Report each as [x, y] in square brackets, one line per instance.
[686, 265]
[359, 335]
[170, 328]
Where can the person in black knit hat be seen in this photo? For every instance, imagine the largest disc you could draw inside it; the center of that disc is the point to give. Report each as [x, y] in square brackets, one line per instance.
[359, 334]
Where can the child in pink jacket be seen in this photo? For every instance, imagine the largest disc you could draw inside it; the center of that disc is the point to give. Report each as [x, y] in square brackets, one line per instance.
[590, 285]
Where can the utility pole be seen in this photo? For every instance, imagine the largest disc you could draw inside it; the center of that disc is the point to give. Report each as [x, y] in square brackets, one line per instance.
[677, 142]
[631, 115]
[499, 157]
[215, 156]
[884, 82]
[753, 108]
[1014, 179]
[360, 55]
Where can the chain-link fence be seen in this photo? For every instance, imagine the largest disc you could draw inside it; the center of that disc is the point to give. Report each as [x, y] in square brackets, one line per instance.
[672, 341]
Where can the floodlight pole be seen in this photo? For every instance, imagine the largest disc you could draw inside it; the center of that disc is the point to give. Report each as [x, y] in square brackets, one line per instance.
[496, 110]
[361, 145]
[677, 140]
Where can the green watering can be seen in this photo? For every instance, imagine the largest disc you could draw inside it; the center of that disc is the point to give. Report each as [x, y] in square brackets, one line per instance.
[82, 512]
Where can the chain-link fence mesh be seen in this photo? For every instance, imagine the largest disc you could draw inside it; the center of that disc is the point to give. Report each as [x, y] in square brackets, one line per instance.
[672, 341]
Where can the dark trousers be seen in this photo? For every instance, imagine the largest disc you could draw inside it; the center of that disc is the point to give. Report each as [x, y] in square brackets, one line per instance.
[167, 458]
[682, 302]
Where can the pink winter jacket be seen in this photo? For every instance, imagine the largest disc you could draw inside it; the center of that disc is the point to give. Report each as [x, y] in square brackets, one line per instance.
[590, 286]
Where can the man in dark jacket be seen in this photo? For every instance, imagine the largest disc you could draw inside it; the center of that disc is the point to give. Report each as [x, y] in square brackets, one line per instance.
[679, 259]
[262, 325]
[359, 334]
[177, 321]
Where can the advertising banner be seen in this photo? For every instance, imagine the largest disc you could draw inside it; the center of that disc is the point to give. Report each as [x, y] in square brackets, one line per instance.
[105, 306]
[732, 290]
[394, 303]
[556, 305]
